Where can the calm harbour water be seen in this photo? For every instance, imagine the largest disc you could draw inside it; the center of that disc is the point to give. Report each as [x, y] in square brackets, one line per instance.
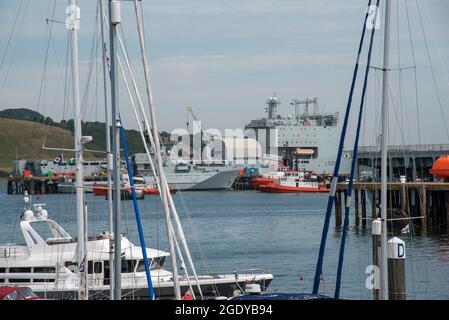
[279, 233]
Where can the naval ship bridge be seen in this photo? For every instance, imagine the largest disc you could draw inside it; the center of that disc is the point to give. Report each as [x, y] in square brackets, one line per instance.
[306, 139]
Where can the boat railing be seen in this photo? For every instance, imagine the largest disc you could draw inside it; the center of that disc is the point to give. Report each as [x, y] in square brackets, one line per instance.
[249, 271]
[13, 251]
[30, 276]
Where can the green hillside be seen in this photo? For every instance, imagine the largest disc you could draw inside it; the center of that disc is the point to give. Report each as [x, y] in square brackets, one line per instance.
[22, 133]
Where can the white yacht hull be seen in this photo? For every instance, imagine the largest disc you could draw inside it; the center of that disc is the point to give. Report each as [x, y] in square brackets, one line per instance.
[211, 287]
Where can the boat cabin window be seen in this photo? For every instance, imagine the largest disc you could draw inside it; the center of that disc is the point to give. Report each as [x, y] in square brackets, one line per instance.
[47, 230]
[44, 270]
[19, 270]
[32, 237]
[155, 263]
[128, 266]
[94, 267]
[2, 270]
[141, 265]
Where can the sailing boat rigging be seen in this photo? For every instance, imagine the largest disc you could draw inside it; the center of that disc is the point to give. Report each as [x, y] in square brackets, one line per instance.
[384, 134]
[82, 266]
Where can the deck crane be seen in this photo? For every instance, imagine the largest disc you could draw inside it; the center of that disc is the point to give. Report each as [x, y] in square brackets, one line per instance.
[205, 138]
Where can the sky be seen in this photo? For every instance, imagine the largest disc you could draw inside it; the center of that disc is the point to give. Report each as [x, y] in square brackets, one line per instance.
[224, 58]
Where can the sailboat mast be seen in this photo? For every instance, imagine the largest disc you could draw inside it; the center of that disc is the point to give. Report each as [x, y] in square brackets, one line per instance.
[157, 151]
[114, 20]
[384, 155]
[108, 145]
[81, 253]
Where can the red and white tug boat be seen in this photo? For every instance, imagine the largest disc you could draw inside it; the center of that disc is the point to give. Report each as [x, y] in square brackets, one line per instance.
[266, 179]
[294, 182]
[101, 188]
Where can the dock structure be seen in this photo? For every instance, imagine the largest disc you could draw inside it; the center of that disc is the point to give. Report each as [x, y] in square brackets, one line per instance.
[242, 182]
[39, 185]
[411, 161]
[423, 204]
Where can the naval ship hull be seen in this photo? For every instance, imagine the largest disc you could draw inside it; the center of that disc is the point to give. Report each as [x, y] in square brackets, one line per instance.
[197, 181]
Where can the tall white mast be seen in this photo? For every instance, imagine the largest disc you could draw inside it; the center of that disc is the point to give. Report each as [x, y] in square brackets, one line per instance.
[384, 146]
[108, 148]
[114, 20]
[157, 151]
[73, 25]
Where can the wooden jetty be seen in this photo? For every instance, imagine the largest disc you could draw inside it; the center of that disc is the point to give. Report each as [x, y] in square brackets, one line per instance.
[425, 204]
[38, 184]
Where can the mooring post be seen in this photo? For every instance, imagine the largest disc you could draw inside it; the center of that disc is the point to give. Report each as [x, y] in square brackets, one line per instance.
[396, 269]
[338, 209]
[373, 204]
[356, 207]
[423, 209]
[376, 228]
[404, 200]
[435, 207]
[446, 205]
[363, 195]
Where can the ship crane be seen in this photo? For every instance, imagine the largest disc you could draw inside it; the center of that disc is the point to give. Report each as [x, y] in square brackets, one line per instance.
[306, 102]
[206, 139]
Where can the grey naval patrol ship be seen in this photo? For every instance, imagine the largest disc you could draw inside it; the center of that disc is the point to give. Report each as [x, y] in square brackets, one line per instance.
[306, 139]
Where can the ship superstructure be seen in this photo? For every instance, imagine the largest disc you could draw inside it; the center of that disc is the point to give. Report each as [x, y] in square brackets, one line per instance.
[306, 139]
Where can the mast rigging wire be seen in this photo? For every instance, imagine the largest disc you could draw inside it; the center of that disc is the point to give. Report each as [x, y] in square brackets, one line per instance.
[353, 165]
[319, 266]
[432, 69]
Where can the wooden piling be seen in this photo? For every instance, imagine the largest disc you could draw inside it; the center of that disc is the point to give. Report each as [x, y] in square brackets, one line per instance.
[363, 196]
[423, 209]
[446, 205]
[338, 209]
[356, 207]
[404, 201]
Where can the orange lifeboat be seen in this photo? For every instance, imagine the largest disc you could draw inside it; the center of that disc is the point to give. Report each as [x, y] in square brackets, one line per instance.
[154, 191]
[100, 189]
[440, 168]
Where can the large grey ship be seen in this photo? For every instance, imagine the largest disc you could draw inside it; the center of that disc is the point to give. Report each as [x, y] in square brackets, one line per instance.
[190, 175]
[306, 139]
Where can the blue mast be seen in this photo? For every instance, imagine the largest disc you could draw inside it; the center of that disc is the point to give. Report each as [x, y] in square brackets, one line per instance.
[137, 212]
[353, 164]
[319, 265]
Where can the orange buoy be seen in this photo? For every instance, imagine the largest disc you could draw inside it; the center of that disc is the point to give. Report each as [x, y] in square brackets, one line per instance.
[440, 168]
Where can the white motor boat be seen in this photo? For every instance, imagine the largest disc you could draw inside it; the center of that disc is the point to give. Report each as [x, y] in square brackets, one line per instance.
[47, 265]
